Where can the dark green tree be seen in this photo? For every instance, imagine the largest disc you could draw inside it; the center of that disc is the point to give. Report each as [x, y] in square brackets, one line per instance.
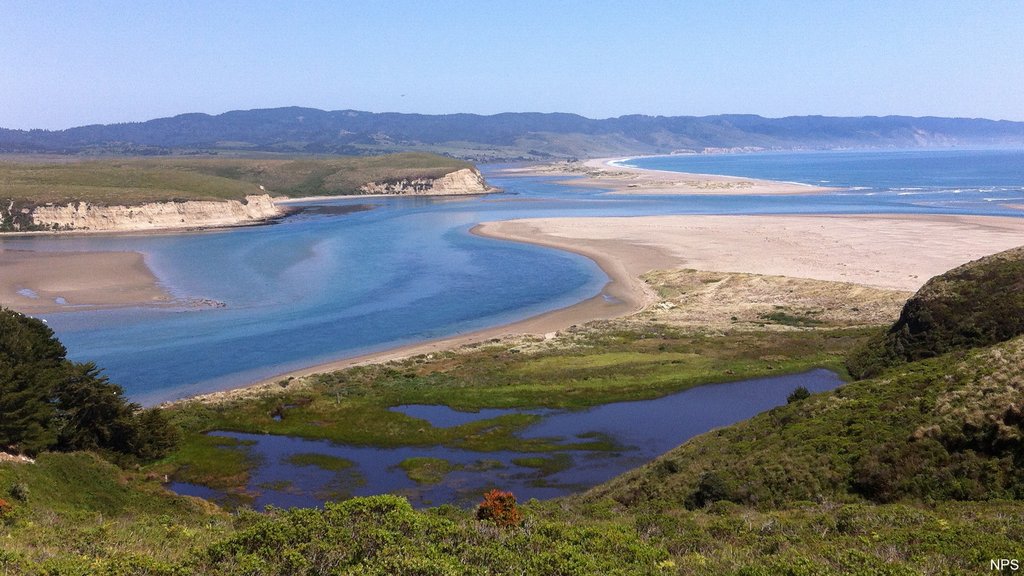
[30, 358]
[50, 403]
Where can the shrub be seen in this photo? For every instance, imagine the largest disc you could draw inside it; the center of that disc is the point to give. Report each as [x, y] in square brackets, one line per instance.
[711, 488]
[19, 491]
[798, 394]
[499, 507]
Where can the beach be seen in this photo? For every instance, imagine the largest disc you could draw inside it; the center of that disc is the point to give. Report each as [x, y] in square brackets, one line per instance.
[618, 179]
[884, 251]
[43, 282]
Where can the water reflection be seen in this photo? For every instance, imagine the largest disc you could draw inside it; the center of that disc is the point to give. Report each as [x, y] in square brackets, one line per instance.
[638, 432]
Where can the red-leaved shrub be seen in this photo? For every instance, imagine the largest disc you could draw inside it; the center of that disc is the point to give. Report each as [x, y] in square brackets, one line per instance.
[499, 507]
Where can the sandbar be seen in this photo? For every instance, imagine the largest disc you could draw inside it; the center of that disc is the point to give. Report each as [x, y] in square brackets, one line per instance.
[896, 252]
[601, 173]
[43, 282]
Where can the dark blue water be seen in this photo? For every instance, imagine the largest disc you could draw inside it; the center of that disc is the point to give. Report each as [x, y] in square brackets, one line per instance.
[643, 430]
[329, 284]
[878, 170]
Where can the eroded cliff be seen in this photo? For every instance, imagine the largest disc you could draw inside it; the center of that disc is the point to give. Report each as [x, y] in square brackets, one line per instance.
[157, 215]
[465, 181]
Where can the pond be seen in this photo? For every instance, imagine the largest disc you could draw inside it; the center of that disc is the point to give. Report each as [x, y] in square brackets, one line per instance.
[301, 472]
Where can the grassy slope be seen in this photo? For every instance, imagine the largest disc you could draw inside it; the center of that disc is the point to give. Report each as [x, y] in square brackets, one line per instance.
[139, 180]
[79, 508]
[932, 430]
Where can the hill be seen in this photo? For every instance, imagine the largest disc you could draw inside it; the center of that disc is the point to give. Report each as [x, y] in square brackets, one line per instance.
[977, 304]
[504, 136]
[947, 428]
[941, 419]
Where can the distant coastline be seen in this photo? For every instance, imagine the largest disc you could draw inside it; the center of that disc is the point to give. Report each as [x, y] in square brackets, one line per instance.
[618, 179]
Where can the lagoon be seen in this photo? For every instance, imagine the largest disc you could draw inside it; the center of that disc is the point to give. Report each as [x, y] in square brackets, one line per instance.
[353, 276]
[636, 432]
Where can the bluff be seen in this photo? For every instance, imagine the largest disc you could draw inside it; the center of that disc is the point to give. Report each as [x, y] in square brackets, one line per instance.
[197, 192]
[157, 215]
[465, 181]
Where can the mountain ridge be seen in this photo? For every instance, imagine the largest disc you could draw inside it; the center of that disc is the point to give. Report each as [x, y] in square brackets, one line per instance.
[503, 136]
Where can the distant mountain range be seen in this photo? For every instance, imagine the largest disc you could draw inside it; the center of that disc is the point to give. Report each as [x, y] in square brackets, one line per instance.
[508, 136]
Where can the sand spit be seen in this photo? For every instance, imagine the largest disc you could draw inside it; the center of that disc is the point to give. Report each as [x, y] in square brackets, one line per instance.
[601, 173]
[43, 282]
[897, 252]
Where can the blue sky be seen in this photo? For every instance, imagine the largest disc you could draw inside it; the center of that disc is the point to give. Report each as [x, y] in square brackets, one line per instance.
[65, 64]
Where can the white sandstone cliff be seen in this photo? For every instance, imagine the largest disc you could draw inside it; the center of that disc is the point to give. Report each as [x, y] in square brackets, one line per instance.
[157, 215]
[465, 181]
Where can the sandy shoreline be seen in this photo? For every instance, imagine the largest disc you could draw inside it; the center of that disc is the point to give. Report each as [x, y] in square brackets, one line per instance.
[32, 282]
[600, 173]
[896, 252]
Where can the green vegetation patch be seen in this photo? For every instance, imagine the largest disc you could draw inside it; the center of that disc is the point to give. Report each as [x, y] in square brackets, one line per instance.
[546, 464]
[787, 319]
[215, 461]
[322, 461]
[131, 181]
[426, 470]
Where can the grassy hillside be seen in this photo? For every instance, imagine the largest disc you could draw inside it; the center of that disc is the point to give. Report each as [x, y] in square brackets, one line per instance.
[139, 180]
[947, 428]
[977, 304]
[74, 513]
